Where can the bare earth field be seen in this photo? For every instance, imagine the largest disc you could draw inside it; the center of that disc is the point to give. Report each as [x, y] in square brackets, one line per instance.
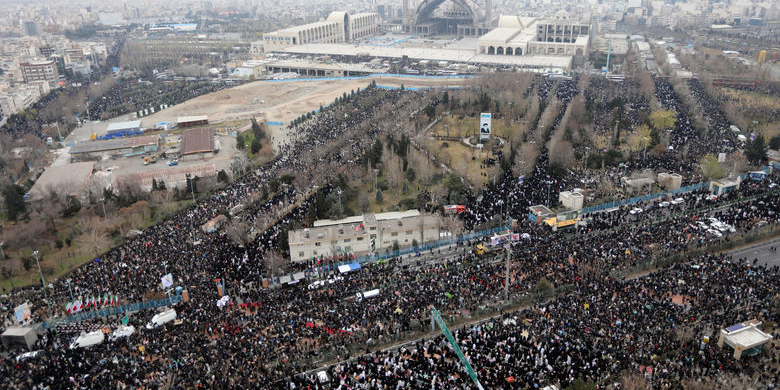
[280, 100]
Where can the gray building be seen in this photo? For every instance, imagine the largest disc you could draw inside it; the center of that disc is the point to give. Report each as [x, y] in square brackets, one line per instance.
[355, 234]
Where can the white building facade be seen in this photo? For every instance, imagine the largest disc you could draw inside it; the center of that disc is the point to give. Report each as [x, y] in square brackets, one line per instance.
[338, 28]
[356, 234]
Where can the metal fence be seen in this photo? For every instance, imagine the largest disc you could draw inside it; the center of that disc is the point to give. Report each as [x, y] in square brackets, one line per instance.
[110, 311]
[643, 198]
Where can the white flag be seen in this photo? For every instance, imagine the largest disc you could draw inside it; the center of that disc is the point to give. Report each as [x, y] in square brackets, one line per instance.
[167, 281]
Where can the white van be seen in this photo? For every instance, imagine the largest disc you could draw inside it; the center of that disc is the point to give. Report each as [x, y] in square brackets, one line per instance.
[88, 339]
[121, 332]
[365, 295]
[162, 318]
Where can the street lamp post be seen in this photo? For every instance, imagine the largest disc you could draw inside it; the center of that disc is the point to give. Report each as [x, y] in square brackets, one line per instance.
[192, 189]
[103, 201]
[43, 282]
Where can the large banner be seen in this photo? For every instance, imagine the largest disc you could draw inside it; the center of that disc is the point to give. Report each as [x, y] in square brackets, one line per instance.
[22, 313]
[484, 125]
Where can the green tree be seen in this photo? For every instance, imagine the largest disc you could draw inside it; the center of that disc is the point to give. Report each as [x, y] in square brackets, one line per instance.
[379, 196]
[774, 143]
[240, 141]
[756, 150]
[222, 176]
[258, 130]
[72, 206]
[710, 167]
[663, 119]
[14, 201]
[256, 146]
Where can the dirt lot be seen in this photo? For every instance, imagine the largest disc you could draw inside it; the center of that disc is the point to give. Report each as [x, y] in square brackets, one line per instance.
[279, 100]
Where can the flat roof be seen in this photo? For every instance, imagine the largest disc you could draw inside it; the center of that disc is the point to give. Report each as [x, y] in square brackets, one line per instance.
[295, 63]
[65, 179]
[501, 34]
[111, 144]
[360, 218]
[124, 125]
[748, 337]
[195, 118]
[433, 54]
[170, 175]
[17, 331]
[197, 141]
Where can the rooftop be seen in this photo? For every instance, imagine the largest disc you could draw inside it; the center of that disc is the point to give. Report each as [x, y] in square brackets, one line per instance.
[196, 118]
[67, 179]
[501, 34]
[197, 141]
[17, 331]
[120, 143]
[425, 53]
[124, 125]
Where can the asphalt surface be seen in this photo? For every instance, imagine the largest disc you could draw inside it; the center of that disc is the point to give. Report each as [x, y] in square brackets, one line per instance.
[761, 253]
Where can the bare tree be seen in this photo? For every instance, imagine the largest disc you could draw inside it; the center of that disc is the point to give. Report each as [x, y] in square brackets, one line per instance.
[238, 232]
[562, 154]
[393, 168]
[93, 235]
[453, 225]
[525, 159]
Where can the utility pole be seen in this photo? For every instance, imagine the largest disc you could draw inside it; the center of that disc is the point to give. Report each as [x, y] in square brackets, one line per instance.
[508, 255]
[43, 282]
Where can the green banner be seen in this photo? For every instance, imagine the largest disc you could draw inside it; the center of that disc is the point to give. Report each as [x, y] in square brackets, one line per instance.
[454, 344]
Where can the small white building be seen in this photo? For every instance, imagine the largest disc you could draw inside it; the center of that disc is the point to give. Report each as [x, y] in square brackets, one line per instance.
[744, 338]
[572, 200]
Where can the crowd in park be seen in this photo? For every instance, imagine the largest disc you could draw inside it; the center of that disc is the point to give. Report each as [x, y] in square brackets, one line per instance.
[597, 327]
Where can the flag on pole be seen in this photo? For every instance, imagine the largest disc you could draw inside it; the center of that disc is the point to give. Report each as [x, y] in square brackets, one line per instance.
[167, 281]
[68, 307]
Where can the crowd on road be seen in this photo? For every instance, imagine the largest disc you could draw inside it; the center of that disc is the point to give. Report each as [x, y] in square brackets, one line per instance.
[602, 326]
[653, 326]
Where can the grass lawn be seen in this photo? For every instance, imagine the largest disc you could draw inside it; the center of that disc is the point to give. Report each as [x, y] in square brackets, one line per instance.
[56, 263]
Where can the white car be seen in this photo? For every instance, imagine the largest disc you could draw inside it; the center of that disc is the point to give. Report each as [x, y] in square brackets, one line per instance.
[121, 332]
[664, 204]
[635, 211]
[678, 201]
[715, 233]
[28, 355]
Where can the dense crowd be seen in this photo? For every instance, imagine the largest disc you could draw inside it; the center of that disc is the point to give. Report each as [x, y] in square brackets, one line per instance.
[653, 326]
[288, 330]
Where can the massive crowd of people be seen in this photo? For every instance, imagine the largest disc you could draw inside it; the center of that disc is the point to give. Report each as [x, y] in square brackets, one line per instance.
[600, 327]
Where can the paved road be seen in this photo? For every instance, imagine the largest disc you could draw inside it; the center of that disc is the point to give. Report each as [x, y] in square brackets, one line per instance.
[762, 252]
